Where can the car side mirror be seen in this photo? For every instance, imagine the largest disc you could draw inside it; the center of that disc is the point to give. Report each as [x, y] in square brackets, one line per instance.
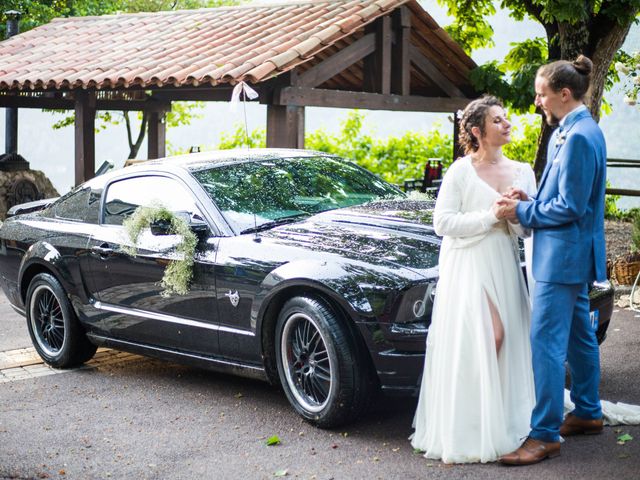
[160, 227]
[199, 227]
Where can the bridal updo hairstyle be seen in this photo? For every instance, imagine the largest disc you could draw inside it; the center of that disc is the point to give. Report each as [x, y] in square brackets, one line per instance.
[474, 115]
[574, 75]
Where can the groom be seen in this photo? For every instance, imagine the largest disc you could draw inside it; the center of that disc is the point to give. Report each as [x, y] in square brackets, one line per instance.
[567, 218]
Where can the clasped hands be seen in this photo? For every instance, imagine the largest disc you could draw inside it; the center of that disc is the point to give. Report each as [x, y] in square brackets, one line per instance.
[505, 206]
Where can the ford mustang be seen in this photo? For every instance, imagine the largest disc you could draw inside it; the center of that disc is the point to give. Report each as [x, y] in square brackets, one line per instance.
[309, 272]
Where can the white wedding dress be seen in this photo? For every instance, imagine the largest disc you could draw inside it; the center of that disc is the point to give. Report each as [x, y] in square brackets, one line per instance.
[474, 404]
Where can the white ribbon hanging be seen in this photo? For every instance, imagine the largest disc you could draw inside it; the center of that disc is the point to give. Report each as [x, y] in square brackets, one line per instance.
[241, 87]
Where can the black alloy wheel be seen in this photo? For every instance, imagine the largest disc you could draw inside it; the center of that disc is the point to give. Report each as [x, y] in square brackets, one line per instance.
[324, 375]
[54, 329]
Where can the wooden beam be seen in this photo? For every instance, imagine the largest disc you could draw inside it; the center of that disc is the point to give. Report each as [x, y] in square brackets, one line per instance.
[150, 105]
[384, 37]
[315, 97]
[377, 65]
[11, 130]
[369, 64]
[401, 65]
[338, 62]
[85, 151]
[623, 192]
[213, 94]
[430, 70]
[18, 101]
[156, 135]
[285, 126]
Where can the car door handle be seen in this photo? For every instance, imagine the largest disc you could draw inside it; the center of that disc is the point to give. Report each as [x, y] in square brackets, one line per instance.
[103, 250]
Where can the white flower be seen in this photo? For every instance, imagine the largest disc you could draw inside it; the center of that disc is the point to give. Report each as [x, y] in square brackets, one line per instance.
[622, 68]
[629, 100]
[562, 137]
[459, 114]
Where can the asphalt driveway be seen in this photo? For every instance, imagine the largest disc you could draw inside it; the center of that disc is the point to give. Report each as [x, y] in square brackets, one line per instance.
[127, 417]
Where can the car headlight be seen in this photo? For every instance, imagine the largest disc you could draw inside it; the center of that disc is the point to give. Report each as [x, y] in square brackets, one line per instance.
[416, 304]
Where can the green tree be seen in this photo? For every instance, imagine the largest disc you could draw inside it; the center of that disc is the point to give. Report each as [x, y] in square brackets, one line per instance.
[595, 28]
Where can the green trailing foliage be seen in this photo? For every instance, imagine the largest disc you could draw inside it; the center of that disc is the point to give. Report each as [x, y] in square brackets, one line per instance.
[611, 210]
[635, 234]
[178, 273]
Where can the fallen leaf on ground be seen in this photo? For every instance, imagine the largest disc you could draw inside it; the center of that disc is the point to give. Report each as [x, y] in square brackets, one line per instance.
[622, 439]
[274, 440]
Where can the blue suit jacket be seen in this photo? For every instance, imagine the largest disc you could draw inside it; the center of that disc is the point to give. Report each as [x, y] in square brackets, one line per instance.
[567, 214]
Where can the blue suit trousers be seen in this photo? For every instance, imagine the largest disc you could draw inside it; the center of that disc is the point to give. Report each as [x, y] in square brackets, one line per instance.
[561, 330]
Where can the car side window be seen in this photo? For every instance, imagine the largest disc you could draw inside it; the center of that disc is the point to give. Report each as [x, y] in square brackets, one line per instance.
[81, 205]
[124, 196]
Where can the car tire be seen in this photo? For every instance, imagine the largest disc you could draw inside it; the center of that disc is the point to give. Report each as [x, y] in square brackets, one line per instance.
[53, 326]
[324, 374]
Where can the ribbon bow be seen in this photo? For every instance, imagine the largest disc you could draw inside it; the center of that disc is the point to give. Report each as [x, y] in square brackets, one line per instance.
[241, 88]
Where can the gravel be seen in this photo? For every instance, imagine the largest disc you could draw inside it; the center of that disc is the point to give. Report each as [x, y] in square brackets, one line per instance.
[618, 238]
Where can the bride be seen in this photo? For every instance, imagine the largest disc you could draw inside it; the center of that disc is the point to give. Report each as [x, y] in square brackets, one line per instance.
[477, 389]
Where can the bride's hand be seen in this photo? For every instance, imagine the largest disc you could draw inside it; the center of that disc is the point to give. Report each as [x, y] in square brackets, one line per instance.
[497, 209]
[515, 194]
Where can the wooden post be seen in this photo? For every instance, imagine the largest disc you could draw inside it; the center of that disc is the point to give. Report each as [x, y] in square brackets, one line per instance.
[285, 126]
[377, 66]
[11, 115]
[85, 142]
[457, 148]
[157, 135]
[401, 71]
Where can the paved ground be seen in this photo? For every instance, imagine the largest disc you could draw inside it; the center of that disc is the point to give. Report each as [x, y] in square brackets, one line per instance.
[127, 417]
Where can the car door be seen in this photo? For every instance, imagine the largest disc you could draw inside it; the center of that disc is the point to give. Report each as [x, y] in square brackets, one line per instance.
[127, 287]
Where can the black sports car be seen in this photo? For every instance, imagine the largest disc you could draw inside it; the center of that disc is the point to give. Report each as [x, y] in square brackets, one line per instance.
[309, 272]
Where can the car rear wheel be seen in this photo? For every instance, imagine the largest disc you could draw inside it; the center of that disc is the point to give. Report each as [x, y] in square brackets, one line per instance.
[53, 326]
[323, 373]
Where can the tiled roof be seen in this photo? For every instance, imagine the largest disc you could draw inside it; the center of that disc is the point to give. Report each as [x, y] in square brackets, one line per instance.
[183, 48]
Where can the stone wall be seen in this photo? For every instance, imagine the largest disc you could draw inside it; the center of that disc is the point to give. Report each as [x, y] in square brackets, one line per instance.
[23, 186]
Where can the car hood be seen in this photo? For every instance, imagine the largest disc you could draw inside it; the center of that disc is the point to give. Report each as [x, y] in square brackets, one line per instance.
[397, 232]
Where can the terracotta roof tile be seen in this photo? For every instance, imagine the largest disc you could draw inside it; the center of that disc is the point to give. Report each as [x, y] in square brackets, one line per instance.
[187, 47]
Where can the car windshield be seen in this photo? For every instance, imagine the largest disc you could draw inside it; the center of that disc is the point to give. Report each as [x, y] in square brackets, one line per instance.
[259, 194]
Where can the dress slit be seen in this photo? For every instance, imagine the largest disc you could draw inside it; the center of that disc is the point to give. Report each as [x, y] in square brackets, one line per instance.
[497, 326]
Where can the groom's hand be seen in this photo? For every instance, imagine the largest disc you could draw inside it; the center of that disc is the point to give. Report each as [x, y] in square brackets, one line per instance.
[516, 194]
[507, 208]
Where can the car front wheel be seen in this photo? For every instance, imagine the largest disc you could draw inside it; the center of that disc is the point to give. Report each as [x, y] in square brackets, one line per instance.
[54, 329]
[323, 374]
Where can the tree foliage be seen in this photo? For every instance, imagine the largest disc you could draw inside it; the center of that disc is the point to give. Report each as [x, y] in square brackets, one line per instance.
[595, 28]
[38, 12]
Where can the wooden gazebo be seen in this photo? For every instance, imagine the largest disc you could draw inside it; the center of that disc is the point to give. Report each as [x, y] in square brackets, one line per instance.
[368, 54]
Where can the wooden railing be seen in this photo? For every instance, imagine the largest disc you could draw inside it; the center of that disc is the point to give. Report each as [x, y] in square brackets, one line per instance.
[623, 163]
[431, 182]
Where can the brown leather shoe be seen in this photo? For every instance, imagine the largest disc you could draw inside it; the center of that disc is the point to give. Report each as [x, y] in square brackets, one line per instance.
[530, 452]
[573, 425]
